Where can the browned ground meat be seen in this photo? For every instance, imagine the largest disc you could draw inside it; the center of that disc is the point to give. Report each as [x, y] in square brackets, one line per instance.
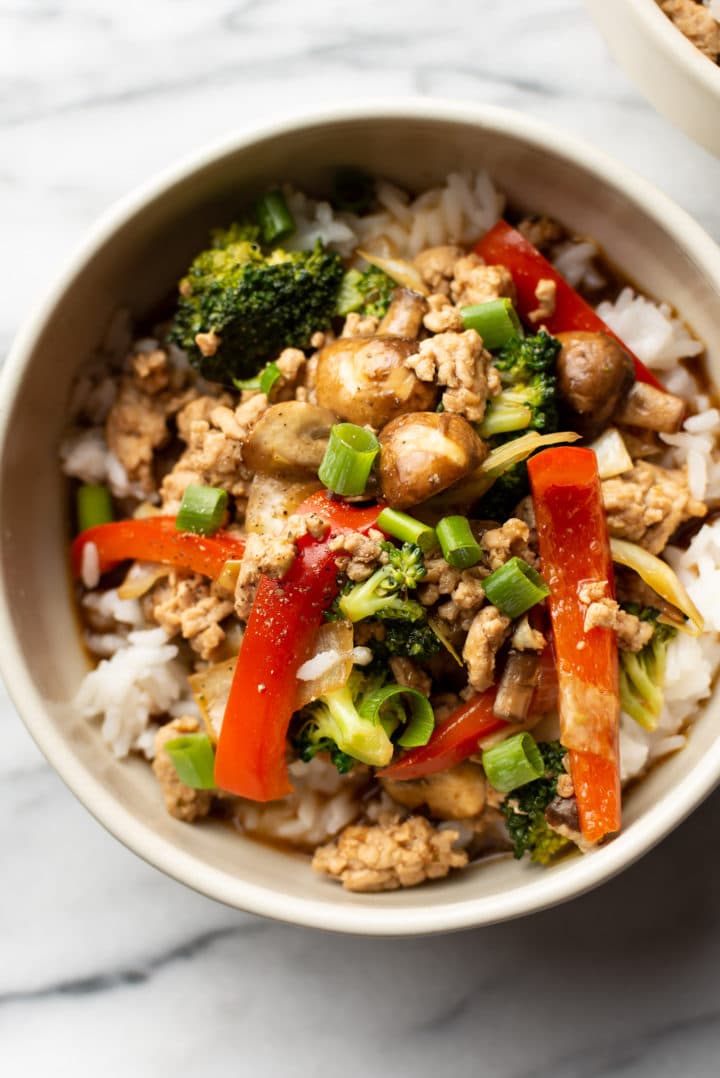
[459, 362]
[697, 24]
[648, 504]
[474, 282]
[181, 801]
[487, 634]
[387, 856]
[188, 604]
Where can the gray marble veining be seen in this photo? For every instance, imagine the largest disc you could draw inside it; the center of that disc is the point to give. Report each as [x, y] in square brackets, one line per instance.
[107, 966]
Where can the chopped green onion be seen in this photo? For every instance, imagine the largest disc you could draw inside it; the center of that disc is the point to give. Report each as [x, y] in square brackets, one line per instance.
[418, 724]
[193, 759]
[459, 546]
[348, 459]
[264, 380]
[496, 321]
[407, 529]
[512, 763]
[353, 190]
[274, 217]
[94, 506]
[515, 587]
[201, 510]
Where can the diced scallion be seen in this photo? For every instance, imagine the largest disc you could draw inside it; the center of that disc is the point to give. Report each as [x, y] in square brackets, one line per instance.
[407, 529]
[194, 760]
[515, 587]
[263, 381]
[202, 509]
[274, 217]
[496, 321]
[459, 546]
[513, 763]
[396, 705]
[348, 460]
[94, 506]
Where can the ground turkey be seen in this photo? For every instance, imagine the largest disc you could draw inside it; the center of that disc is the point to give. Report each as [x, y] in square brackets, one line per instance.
[648, 504]
[181, 801]
[387, 856]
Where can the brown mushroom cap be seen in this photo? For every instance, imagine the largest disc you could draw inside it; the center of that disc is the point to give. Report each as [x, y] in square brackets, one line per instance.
[364, 380]
[594, 374]
[290, 439]
[423, 453]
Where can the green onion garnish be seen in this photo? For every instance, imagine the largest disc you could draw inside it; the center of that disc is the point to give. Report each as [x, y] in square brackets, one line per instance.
[264, 380]
[274, 217]
[348, 459]
[202, 509]
[419, 720]
[353, 190]
[194, 760]
[457, 542]
[94, 506]
[513, 763]
[407, 529]
[496, 321]
[515, 587]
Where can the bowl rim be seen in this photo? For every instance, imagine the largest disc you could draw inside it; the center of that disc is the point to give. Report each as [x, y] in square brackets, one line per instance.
[672, 40]
[549, 888]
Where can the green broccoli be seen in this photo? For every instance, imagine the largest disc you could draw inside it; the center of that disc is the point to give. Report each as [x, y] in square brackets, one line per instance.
[255, 303]
[368, 293]
[333, 723]
[384, 594]
[524, 810]
[528, 399]
[410, 638]
[642, 673]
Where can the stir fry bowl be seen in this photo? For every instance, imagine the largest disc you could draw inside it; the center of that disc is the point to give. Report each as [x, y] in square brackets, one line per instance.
[133, 258]
[672, 73]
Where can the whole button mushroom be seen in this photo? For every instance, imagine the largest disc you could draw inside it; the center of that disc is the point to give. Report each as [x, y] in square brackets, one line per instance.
[425, 452]
[594, 374]
[365, 380]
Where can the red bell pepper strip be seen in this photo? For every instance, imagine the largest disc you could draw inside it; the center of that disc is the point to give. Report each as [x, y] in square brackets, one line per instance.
[156, 539]
[504, 245]
[280, 635]
[575, 549]
[458, 736]
[281, 630]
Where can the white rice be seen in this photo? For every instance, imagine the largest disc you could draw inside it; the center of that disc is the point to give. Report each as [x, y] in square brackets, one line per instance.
[460, 211]
[649, 329]
[141, 680]
[575, 260]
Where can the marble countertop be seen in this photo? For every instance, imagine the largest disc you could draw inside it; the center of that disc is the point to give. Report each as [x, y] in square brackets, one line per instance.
[107, 966]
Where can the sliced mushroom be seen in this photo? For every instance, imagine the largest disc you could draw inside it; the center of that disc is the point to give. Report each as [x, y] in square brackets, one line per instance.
[290, 439]
[449, 795]
[517, 685]
[594, 374]
[425, 452]
[404, 315]
[365, 380]
[651, 409]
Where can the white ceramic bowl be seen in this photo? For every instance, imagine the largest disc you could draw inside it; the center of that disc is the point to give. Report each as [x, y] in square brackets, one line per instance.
[672, 73]
[133, 257]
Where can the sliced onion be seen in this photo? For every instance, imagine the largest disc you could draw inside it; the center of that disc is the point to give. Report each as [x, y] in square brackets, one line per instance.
[330, 664]
[227, 577]
[661, 578]
[399, 270]
[211, 688]
[519, 449]
[611, 452]
[273, 499]
[437, 627]
[141, 576]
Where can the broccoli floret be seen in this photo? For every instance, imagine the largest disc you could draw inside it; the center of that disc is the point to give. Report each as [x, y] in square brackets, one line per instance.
[368, 293]
[642, 673]
[255, 303]
[412, 639]
[333, 724]
[524, 810]
[528, 400]
[384, 594]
